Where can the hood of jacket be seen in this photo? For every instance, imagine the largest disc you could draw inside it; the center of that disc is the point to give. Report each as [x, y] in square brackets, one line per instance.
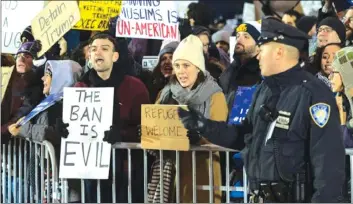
[65, 73]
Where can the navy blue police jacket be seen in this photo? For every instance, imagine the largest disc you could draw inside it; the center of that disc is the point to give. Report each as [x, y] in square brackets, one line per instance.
[306, 131]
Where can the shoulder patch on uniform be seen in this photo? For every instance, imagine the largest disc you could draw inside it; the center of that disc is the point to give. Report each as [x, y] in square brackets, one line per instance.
[320, 113]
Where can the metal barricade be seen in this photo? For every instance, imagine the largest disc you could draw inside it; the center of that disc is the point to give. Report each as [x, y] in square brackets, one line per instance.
[349, 152]
[129, 147]
[29, 172]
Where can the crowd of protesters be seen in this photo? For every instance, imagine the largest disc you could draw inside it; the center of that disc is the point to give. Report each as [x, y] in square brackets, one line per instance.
[196, 71]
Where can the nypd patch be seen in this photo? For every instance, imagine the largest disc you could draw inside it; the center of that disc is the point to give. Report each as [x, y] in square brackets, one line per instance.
[320, 113]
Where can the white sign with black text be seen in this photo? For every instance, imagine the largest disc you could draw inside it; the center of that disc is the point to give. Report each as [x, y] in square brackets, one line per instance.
[89, 112]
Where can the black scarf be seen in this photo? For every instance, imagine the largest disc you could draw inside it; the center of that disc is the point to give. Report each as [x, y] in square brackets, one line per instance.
[116, 78]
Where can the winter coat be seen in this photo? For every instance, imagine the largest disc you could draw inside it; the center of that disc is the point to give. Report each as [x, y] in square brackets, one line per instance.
[22, 95]
[218, 111]
[236, 75]
[42, 127]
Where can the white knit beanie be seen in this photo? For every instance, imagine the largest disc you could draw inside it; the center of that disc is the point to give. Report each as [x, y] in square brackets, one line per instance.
[191, 49]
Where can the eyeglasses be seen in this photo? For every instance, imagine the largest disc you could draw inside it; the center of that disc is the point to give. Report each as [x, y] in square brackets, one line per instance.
[331, 75]
[325, 29]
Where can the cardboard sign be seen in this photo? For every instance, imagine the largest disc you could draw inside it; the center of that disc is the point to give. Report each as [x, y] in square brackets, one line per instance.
[149, 62]
[149, 20]
[42, 106]
[6, 73]
[89, 112]
[95, 15]
[16, 16]
[161, 128]
[242, 102]
[53, 22]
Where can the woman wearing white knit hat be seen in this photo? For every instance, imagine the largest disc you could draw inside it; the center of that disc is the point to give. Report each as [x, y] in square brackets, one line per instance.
[192, 85]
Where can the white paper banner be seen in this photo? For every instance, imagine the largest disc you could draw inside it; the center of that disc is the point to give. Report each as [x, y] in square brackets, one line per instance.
[89, 112]
[16, 16]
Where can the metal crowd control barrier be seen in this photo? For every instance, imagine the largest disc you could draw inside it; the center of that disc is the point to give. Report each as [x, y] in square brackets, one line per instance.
[25, 179]
[194, 149]
[349, 152]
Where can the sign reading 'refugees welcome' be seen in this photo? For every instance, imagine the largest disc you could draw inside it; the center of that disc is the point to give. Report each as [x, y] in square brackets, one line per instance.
[151, 19]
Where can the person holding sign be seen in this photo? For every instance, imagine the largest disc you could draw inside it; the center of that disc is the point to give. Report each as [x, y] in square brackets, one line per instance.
[292, 132]
[48, 125]
[129, 94]
[23, 91]
[192, 85]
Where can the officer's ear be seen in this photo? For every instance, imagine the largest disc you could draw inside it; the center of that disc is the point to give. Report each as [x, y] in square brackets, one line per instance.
[257, 49]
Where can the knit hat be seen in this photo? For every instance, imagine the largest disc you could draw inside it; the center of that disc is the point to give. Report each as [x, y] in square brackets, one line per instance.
[191, 49]
[252, 27]
[200, 29]
[221, 35]
[336, 25]
[27, 33]
[168, 48]
[306, 23]
[26, 48]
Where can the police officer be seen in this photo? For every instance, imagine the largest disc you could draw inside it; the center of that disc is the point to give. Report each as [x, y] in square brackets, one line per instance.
[293, 142]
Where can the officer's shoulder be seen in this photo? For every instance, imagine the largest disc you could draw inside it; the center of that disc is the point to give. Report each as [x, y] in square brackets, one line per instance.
[319, 91]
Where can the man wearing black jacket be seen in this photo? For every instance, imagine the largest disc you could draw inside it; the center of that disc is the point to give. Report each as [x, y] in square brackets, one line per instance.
[288, 131]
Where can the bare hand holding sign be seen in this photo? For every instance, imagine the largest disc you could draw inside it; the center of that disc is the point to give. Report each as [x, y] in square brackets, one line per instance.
[89, 112]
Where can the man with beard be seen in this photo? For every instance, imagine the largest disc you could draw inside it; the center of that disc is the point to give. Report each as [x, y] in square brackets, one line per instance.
[244, 70]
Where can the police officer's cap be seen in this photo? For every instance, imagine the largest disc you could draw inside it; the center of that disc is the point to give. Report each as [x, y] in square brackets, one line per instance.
[274, 30]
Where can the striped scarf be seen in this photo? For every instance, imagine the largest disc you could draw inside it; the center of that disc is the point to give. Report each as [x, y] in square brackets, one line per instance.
[154, 186]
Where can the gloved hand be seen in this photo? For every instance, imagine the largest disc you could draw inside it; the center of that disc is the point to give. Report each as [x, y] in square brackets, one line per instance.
[194, 137]
[61, 128]
[193, 119]
[37, 46]
[112, 136]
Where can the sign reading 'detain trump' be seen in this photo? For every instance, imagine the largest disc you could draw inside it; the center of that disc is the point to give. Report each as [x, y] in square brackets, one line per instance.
[56, 19]
[89, 113]
[151, 19]
[161, 128]
[95, 15]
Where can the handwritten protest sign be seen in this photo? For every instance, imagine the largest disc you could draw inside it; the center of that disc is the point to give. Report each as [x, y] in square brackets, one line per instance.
[89, 112]
[241, 105]
[232, 43]
[16, 16]
[152, 19]
[161, 128]
[95, 15]
[42, 106]
[6, 73]
[54, 21]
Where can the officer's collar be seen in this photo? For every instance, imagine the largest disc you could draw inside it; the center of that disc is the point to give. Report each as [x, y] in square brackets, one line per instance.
[284, 79]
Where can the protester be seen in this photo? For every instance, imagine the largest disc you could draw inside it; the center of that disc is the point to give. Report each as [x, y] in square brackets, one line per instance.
[47, 125]
[341, 79]
[81, 55]
[129, 94]
[244, 70]
[221, 39]
[23, 91]
[323, 60]
[331, 30]
[204, 35]
[162, 72]
[192, 84]
[348, 22]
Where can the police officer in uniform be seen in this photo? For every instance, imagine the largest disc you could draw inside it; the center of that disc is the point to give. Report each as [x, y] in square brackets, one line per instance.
[291, 138]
